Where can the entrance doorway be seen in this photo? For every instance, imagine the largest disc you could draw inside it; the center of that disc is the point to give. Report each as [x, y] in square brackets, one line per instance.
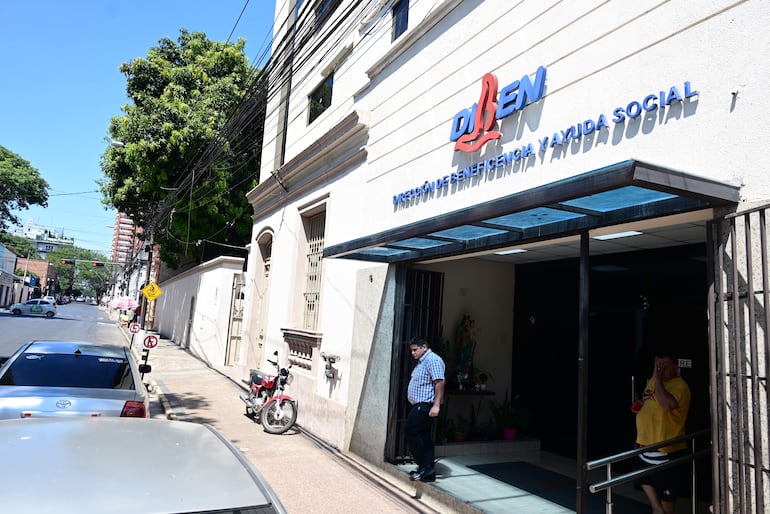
[639, 301]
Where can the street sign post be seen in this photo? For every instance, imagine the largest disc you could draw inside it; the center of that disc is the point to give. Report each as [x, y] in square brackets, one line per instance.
[151, 291]
[133, 328]
[150, 341]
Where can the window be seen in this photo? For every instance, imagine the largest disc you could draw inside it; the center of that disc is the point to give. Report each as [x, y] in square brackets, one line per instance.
[324, 10]
[62, 370]
[320, 99]
[266, 252]
[314, 232]
[400, 18]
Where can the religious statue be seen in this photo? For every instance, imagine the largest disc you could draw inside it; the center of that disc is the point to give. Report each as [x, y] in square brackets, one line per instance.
[465, 344]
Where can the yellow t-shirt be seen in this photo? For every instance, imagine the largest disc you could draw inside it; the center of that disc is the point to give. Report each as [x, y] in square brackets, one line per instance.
[654, 424]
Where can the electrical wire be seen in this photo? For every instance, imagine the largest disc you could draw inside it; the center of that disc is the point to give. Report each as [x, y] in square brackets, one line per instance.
[294, 52]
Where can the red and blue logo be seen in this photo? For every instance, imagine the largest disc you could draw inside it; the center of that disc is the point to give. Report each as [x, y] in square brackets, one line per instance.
[473, 128]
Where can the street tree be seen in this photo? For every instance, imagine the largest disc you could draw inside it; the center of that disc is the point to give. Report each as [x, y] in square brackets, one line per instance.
[21, 246]
[75, 270]
[20, 186]
[186, 149]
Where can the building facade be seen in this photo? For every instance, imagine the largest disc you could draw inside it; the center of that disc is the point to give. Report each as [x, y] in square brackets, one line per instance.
[7, 276]
[125, 243]
[43, 270]
[585, 181]
[46, 240]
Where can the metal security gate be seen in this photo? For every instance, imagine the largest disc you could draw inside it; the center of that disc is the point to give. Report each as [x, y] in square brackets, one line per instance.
[739, 317]
[418, 313]
[236, 320]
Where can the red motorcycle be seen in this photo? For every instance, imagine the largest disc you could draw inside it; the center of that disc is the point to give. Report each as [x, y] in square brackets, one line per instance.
[266, 403]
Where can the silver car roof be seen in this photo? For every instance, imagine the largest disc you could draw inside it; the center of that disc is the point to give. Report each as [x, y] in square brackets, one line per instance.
[86, 348]
[124, 465]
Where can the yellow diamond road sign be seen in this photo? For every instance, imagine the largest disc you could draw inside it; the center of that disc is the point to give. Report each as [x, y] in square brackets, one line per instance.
[151, 291]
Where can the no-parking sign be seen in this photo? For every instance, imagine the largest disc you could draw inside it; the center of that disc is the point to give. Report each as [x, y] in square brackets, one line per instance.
[150, 341]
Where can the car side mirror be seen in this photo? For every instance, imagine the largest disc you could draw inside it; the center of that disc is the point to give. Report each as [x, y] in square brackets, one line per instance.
[145, 368]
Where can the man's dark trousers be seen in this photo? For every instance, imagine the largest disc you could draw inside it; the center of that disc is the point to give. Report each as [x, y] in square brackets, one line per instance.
[418, 435]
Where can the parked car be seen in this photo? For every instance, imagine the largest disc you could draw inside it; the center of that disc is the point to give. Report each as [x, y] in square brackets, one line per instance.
[99, 465]
[72, 378]
[37, 307]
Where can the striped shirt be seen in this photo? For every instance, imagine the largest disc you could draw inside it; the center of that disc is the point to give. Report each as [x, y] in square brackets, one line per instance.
[430, 367]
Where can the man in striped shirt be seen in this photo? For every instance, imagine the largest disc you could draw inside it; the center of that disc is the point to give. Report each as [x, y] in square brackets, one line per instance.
[425, 394]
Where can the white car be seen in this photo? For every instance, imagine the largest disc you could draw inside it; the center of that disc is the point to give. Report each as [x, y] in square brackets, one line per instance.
[97, 465]
[37, 307]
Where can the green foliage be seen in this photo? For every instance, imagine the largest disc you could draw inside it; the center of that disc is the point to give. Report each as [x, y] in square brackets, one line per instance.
[191, 146]
[82, 276]
[21, 246]
[20, 186]
[508, 415]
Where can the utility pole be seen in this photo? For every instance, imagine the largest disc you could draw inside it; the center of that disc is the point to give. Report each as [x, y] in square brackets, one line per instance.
[145, 303]
[24, 280]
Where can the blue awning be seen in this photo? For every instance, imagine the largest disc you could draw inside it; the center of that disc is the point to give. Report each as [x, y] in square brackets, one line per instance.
[621, 193]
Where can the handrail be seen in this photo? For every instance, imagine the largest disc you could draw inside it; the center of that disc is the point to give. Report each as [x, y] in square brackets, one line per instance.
[613, 481]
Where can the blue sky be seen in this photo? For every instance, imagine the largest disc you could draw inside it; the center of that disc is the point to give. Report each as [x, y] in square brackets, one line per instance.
[60, 86]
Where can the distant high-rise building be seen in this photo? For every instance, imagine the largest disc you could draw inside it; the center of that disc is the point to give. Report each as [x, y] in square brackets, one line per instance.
[125, 240]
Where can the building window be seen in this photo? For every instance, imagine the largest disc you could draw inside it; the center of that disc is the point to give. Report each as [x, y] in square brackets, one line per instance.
[400, 18]
[324, 10]
[314, 232]
[321, 98]
[266, 251]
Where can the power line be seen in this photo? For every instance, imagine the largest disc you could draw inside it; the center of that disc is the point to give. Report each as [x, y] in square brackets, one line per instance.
[295, 42]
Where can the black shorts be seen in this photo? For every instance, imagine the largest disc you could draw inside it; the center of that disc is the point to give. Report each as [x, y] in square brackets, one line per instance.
[664, 481]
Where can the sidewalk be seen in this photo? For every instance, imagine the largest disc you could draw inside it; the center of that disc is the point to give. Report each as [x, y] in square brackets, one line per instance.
[306, 474]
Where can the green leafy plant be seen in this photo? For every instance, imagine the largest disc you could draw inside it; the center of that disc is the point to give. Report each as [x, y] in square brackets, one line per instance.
[462, 425]
[508, 415]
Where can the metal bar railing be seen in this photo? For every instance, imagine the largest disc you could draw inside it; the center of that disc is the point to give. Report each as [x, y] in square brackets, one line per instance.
[614, 481]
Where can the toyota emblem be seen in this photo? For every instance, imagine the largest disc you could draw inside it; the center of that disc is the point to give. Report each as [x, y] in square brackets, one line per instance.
[64, 404]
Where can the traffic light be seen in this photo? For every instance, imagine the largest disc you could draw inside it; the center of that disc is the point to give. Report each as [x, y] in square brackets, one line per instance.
[97, 264]
[68, 261]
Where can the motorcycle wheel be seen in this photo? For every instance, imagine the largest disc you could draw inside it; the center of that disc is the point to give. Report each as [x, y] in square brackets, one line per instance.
[277, 419]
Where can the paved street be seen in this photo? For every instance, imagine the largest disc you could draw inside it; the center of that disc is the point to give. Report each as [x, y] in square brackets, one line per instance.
[307, 475]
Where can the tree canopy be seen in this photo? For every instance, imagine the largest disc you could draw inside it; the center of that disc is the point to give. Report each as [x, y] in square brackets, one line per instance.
[20, 186]
[21, 246]
[81, 276]
[186, 148]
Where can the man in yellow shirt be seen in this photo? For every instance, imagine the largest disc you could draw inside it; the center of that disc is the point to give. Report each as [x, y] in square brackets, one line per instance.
[662, 416]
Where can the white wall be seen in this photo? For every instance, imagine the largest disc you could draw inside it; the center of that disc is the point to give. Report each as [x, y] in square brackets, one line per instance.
[209, 285]
[599, 56]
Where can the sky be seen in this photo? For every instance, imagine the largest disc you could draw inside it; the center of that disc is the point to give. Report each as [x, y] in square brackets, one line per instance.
[60, 85]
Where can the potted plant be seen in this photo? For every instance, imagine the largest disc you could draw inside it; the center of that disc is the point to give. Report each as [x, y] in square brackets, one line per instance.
[509, 418]
[462, 427]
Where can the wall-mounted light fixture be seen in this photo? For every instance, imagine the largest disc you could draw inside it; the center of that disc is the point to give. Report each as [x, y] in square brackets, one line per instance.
[331, 372]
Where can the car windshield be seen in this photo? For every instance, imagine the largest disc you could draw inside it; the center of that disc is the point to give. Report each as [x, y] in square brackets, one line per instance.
[63, 370]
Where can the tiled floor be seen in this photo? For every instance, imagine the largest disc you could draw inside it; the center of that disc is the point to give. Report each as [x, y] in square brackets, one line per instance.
[492, 496]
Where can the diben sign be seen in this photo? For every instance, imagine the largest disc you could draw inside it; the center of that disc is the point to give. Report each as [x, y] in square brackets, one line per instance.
[472, 128]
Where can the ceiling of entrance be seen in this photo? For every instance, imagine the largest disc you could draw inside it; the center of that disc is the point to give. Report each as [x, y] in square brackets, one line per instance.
[652, 206]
